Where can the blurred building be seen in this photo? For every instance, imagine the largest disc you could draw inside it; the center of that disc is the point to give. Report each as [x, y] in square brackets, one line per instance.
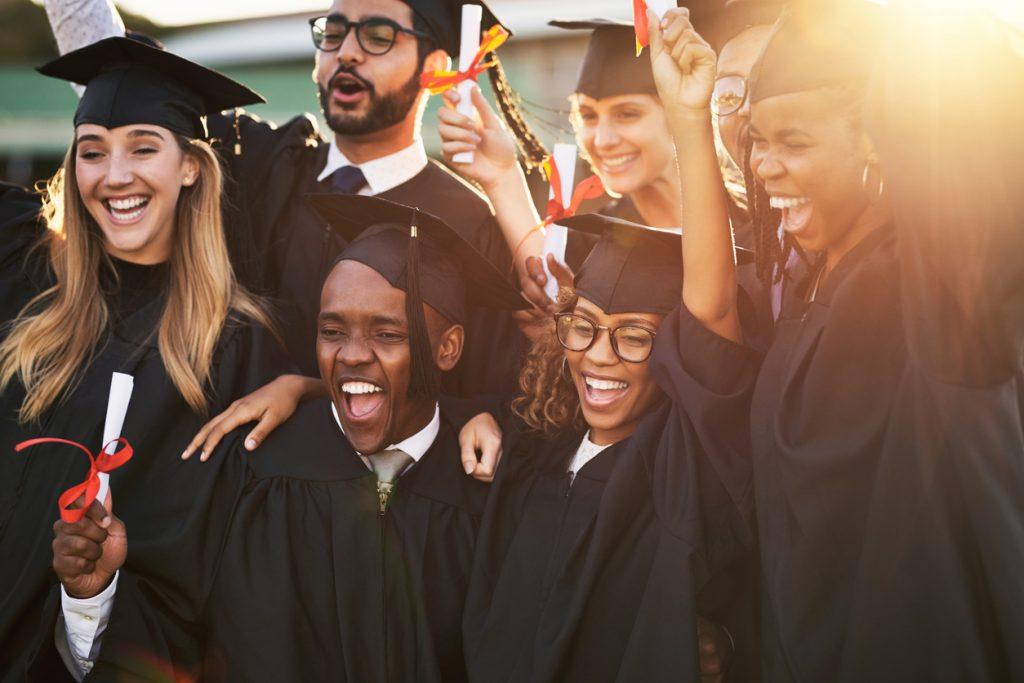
[274, 55]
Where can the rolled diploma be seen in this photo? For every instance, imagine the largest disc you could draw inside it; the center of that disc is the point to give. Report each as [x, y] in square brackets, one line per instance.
[117, 407]
[557, 236]
[472, 15]
[659, 7]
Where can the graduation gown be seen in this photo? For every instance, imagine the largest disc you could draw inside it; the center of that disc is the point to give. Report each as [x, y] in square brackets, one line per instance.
[889, 463]
[603, 580]
[286, 250]
[155, 493]
[304, 580]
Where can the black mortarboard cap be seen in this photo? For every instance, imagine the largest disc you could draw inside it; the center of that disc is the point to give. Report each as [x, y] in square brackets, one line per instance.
[817, 44]
[444, 20]
[130, 82]
[424, 257]
[739, 15]
[611, 66]
[633, 268]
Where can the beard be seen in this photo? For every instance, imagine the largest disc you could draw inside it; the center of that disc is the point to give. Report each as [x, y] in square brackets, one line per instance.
[383, 111]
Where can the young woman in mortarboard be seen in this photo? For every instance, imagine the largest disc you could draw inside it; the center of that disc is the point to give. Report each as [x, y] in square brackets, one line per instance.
[127, 271]
[885, 424]
[607, 530]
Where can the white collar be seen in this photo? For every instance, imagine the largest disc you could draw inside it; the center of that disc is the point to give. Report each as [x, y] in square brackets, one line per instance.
[417, 445]
[383, 173]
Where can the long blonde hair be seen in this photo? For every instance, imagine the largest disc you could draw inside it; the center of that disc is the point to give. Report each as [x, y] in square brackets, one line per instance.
[55, 336]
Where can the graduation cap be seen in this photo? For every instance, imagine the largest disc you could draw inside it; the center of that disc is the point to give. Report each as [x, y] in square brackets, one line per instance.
[739, 15]
[130, 82]
[633, 268]
[444, 19]
[611, 66]
[815, 45]
[424, 257]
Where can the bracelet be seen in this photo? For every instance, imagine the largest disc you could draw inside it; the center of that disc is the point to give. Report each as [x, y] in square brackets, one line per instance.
[515, 252]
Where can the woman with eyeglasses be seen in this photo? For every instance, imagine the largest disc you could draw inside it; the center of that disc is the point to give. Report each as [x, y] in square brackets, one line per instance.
[122, 266]
[607, 532]
[885, 424]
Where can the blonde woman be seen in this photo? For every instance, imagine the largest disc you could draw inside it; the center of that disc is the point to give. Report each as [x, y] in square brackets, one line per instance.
[126, 269]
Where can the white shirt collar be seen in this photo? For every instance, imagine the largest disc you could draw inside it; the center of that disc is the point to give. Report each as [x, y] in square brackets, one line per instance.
[417, 445]
[383, 173]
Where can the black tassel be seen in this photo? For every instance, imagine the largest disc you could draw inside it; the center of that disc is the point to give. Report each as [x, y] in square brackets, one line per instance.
[424, 376]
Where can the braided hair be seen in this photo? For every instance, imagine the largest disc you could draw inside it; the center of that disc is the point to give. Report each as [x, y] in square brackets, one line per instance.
[769, 254]
[531, 148]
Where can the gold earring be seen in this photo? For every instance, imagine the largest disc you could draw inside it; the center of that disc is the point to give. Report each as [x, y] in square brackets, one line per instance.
[864, 181]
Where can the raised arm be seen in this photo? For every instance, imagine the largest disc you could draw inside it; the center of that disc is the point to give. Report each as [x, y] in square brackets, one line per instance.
[77, 23]
[496, 169]
[684, 70]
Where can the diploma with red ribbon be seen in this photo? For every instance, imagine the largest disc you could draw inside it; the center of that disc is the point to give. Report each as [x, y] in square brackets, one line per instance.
[439, 81]
[558, 208]
[108, 459]
[96, 485]
[643, 32]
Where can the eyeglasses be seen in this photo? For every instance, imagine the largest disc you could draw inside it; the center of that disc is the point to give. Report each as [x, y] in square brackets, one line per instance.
[630, 343]
[376, 36]
[729, 94]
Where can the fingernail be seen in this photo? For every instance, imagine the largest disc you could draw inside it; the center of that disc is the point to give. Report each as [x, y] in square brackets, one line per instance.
[202, 456]
[469, 467]
[105, 522]
[250, 444]
[184, 455]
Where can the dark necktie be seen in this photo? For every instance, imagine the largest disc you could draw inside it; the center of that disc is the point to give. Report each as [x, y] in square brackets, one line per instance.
[388, 465]
[348, 180]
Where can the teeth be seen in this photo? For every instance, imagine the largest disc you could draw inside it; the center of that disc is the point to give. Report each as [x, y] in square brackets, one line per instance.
[615, 162]
[360, 388]
[127, 203]
[788, 202]
[604, 384]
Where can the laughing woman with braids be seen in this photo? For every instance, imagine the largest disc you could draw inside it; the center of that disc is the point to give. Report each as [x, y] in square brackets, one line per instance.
[885, 430]
[125, 270]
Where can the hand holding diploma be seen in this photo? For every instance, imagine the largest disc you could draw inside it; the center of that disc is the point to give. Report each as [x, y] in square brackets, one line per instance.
[87, 552]
[556, 236]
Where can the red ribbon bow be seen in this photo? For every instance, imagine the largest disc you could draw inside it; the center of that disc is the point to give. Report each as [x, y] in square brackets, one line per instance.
[439, 81]
[643, 34]
[104, 462]
[591, 188]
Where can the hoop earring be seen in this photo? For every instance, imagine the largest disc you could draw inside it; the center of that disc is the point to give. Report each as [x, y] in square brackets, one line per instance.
[864, 183]
[565, 368]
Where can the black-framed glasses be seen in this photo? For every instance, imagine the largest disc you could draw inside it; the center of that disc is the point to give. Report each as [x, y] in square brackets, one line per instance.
[729, 94]
[630, 343]
[376, 35]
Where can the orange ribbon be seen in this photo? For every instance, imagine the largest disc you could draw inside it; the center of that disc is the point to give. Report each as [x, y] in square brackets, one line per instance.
[591, 188]
[439, 81]
[104, 462]
[643, 34]
[556, 210]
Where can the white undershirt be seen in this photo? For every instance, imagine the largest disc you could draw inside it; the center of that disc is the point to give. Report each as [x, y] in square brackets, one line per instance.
[416, 446]
[587, 451]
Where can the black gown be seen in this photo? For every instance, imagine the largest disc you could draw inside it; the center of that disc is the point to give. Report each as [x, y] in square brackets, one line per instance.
[603, 580]
[302, 579]
[889, 465]
[156, 492]
[284, 250]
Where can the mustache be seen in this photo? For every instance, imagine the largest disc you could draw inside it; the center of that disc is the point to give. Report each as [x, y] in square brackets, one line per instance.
[350, 71]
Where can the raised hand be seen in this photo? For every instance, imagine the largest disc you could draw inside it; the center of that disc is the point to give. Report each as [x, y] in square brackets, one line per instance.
[683, 63]
[493, 147]
[87, 553]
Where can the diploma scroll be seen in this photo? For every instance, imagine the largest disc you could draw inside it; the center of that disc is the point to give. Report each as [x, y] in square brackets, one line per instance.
[121, 386]
[556, 237]
[472, 16]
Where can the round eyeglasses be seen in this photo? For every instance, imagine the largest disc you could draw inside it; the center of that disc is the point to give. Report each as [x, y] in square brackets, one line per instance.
[630, 343]
[376, 35]
[729, 94]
